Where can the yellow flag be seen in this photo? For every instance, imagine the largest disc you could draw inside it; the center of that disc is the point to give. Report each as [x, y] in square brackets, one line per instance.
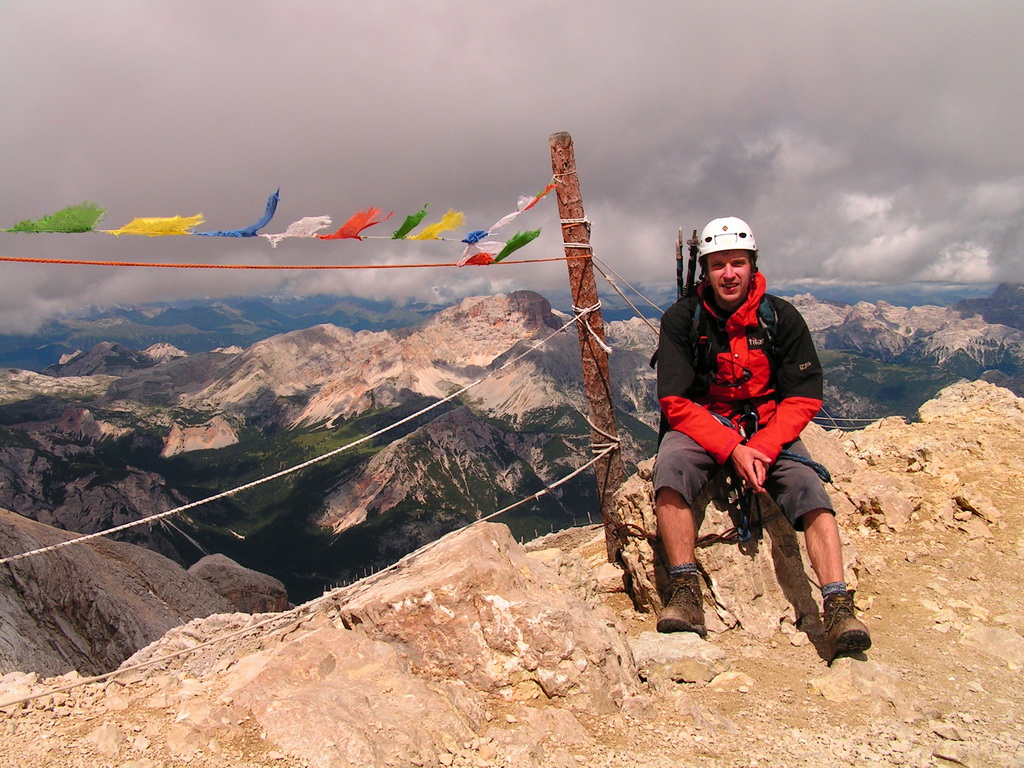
[174, 225]
[451, 220]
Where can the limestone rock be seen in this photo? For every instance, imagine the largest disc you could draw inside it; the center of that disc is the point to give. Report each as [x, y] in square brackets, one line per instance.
[610, 578]
[1003, 644]
[580, 556]
[971, 499]
[337, 698]
[680, 656]
[973, 401]
[828, 450]
[849, 678]
[885, 501]
[759, 584]
[479, 610]
[398, 669]
[634, 502]
[948, 732]
[107, 739]
[246, 590]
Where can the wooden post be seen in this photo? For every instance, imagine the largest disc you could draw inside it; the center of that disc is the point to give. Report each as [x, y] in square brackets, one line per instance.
[596, 381]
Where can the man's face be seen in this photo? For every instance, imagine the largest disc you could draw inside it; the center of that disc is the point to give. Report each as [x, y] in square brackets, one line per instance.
[729, 274]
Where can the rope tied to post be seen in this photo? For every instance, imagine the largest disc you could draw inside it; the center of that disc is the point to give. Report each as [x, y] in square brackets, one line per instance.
[580, 315]
[614, 443]
[566, 223]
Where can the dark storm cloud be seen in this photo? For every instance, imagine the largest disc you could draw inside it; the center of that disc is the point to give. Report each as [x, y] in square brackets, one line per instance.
[863, 141]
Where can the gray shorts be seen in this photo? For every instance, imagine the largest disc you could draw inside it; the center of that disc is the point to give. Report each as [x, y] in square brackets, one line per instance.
[686, 467]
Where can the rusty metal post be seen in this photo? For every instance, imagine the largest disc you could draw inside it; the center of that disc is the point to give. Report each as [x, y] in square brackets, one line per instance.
[596, 380]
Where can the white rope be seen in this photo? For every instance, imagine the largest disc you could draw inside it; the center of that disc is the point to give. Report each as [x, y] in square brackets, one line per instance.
[547, 489]
[631, 287]
[572, 223]
[639, 314]
[827, 420]
[864, 420]
[303, 465]
[581, 313]
[613, 440]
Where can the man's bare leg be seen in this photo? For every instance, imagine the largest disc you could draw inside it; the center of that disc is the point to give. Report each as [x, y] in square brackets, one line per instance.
[676, 526]
[846, 634]
[821, 535]
[684, 610]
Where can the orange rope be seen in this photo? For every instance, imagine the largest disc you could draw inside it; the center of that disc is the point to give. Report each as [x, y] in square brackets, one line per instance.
[25, 259]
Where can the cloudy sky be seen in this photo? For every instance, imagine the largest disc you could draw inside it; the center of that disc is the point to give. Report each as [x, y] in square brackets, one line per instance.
[863, 141]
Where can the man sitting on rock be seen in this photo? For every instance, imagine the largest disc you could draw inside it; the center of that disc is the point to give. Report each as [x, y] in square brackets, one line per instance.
[738, 380]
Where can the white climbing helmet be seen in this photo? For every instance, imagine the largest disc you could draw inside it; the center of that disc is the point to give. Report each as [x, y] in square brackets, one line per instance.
[725, 235]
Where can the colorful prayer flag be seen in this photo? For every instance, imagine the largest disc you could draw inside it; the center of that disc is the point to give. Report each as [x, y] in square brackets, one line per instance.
[252, 229]
[85, 217]
[75, 218]
[479, 259]
[478, 254]
[451, 220]
[150, 227]
[356, 224]
[524, 204]
[517, 241]
[411, 222]
[308, 226]
[538, 198]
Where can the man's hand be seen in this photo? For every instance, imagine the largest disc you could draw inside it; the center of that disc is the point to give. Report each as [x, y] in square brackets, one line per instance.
[752, 466]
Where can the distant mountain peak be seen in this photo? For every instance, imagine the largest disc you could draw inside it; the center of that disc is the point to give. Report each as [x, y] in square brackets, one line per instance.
[1004, 307]
[107, 357]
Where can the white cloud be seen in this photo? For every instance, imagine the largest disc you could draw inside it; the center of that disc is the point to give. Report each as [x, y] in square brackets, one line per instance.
[998, 198]
[858, 207]
[896, 254]
[966, 263]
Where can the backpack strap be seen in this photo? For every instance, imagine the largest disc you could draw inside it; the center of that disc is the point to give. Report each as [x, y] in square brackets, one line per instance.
[700, 345]
[769, 320]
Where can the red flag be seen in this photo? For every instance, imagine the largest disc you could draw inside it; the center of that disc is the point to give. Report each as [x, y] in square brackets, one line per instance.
[351, 228]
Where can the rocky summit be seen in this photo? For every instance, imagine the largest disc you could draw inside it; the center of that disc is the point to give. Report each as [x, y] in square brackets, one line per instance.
[476, 650]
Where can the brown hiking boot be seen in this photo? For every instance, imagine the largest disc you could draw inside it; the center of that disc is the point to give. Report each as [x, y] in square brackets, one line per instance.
[846, 633]
[684, 611]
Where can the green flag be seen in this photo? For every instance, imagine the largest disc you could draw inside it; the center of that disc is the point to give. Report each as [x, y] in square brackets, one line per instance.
[77, 218]
[517, 241]
[410, 222]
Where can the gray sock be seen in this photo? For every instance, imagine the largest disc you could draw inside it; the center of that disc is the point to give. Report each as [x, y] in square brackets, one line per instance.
[833, 588]
[683, 569]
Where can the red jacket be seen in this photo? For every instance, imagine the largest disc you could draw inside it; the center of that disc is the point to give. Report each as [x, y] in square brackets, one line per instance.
[736, 370]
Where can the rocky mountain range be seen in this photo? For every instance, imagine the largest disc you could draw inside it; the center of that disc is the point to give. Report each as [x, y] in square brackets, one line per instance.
[950, 338]
[477, 650]
[113, 434]
[881, 359]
